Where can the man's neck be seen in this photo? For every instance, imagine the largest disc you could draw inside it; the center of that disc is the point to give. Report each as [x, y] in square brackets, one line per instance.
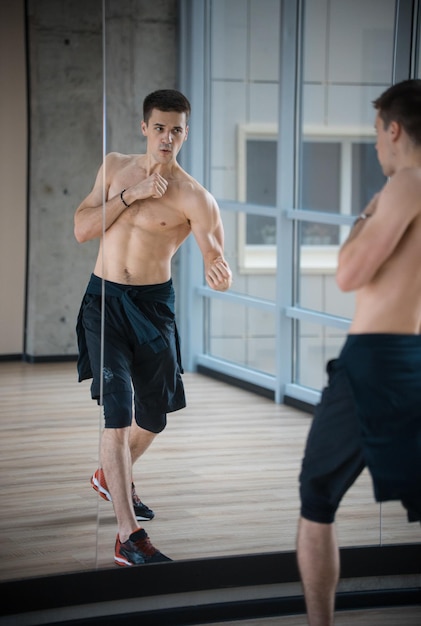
[151, 165]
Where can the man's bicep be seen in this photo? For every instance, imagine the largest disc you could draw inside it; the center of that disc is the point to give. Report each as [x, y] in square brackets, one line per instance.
[395, 212]
[363, 256]
[207, 227]
[209, 242]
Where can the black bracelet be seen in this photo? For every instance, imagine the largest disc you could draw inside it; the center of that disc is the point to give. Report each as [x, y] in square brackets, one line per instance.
[123, 200]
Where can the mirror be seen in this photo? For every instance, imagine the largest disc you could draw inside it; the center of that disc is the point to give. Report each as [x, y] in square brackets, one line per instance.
[337, 127]
[67, 104]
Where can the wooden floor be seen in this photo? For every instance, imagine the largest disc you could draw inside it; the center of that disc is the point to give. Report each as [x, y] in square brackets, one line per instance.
[222, 478]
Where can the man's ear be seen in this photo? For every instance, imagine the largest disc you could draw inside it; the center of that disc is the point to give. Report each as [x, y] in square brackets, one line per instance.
[143, 127]
[395, 130]
[187, 133]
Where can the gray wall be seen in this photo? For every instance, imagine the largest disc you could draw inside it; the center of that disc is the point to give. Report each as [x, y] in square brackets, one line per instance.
[66, 114]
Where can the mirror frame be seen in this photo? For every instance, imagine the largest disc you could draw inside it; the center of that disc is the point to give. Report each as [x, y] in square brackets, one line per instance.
[193, 591]
[97, 588]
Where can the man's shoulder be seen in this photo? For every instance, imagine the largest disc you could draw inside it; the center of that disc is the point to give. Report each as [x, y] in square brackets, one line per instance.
[399, 204]
[189, 185]
[117, 163]
[118, 157]
[405, 185]
[407, 176]
[196, 193]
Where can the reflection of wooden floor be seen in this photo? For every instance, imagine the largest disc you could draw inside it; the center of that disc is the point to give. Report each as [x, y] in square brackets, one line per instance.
[222, 478]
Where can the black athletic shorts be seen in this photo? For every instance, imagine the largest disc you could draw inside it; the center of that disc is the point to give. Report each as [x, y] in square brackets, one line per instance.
[141, 352]
[369, 415]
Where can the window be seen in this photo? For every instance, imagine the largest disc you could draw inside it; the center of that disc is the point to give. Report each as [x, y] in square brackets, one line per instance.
[340, 174]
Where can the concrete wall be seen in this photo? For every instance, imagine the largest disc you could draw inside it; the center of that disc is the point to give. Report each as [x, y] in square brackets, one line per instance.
[66, 119]
[65, 78]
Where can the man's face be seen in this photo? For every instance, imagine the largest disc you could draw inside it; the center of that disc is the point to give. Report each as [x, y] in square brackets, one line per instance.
[166, 131]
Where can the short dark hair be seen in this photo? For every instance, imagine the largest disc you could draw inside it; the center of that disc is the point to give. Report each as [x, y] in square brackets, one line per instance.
[165, 100]
[402, 103]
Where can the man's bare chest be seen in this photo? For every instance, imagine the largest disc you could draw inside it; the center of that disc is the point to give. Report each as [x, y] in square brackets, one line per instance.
[154, 215]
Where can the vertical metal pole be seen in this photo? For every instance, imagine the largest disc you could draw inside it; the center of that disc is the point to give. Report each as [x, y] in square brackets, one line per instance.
[404, 40]
[289, 124]
[193, 63]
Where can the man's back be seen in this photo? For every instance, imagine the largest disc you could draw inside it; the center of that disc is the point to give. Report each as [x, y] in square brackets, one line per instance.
[381, 258]
[391, 301]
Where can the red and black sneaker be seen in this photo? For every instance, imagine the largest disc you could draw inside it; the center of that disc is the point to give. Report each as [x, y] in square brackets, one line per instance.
[99, 484]
[137, 550]
[142, 512]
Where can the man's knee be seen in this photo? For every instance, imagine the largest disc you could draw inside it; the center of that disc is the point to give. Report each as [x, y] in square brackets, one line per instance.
[312, 529]
[317, 505]
[118, 411]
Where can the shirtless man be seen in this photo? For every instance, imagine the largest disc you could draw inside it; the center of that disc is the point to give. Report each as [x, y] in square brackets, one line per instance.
[370, 412]
[151, 206]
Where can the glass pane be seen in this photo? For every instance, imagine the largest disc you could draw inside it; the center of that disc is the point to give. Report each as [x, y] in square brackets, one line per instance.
[253, 266]
[366, 175]
[316, 345]
[317, 278]
[244, 74]
[244, 78]
[242, 335]
[261, 172]
[261, 189]
[260, 230]
[347, 63]
[339, 171]
[321, 166]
